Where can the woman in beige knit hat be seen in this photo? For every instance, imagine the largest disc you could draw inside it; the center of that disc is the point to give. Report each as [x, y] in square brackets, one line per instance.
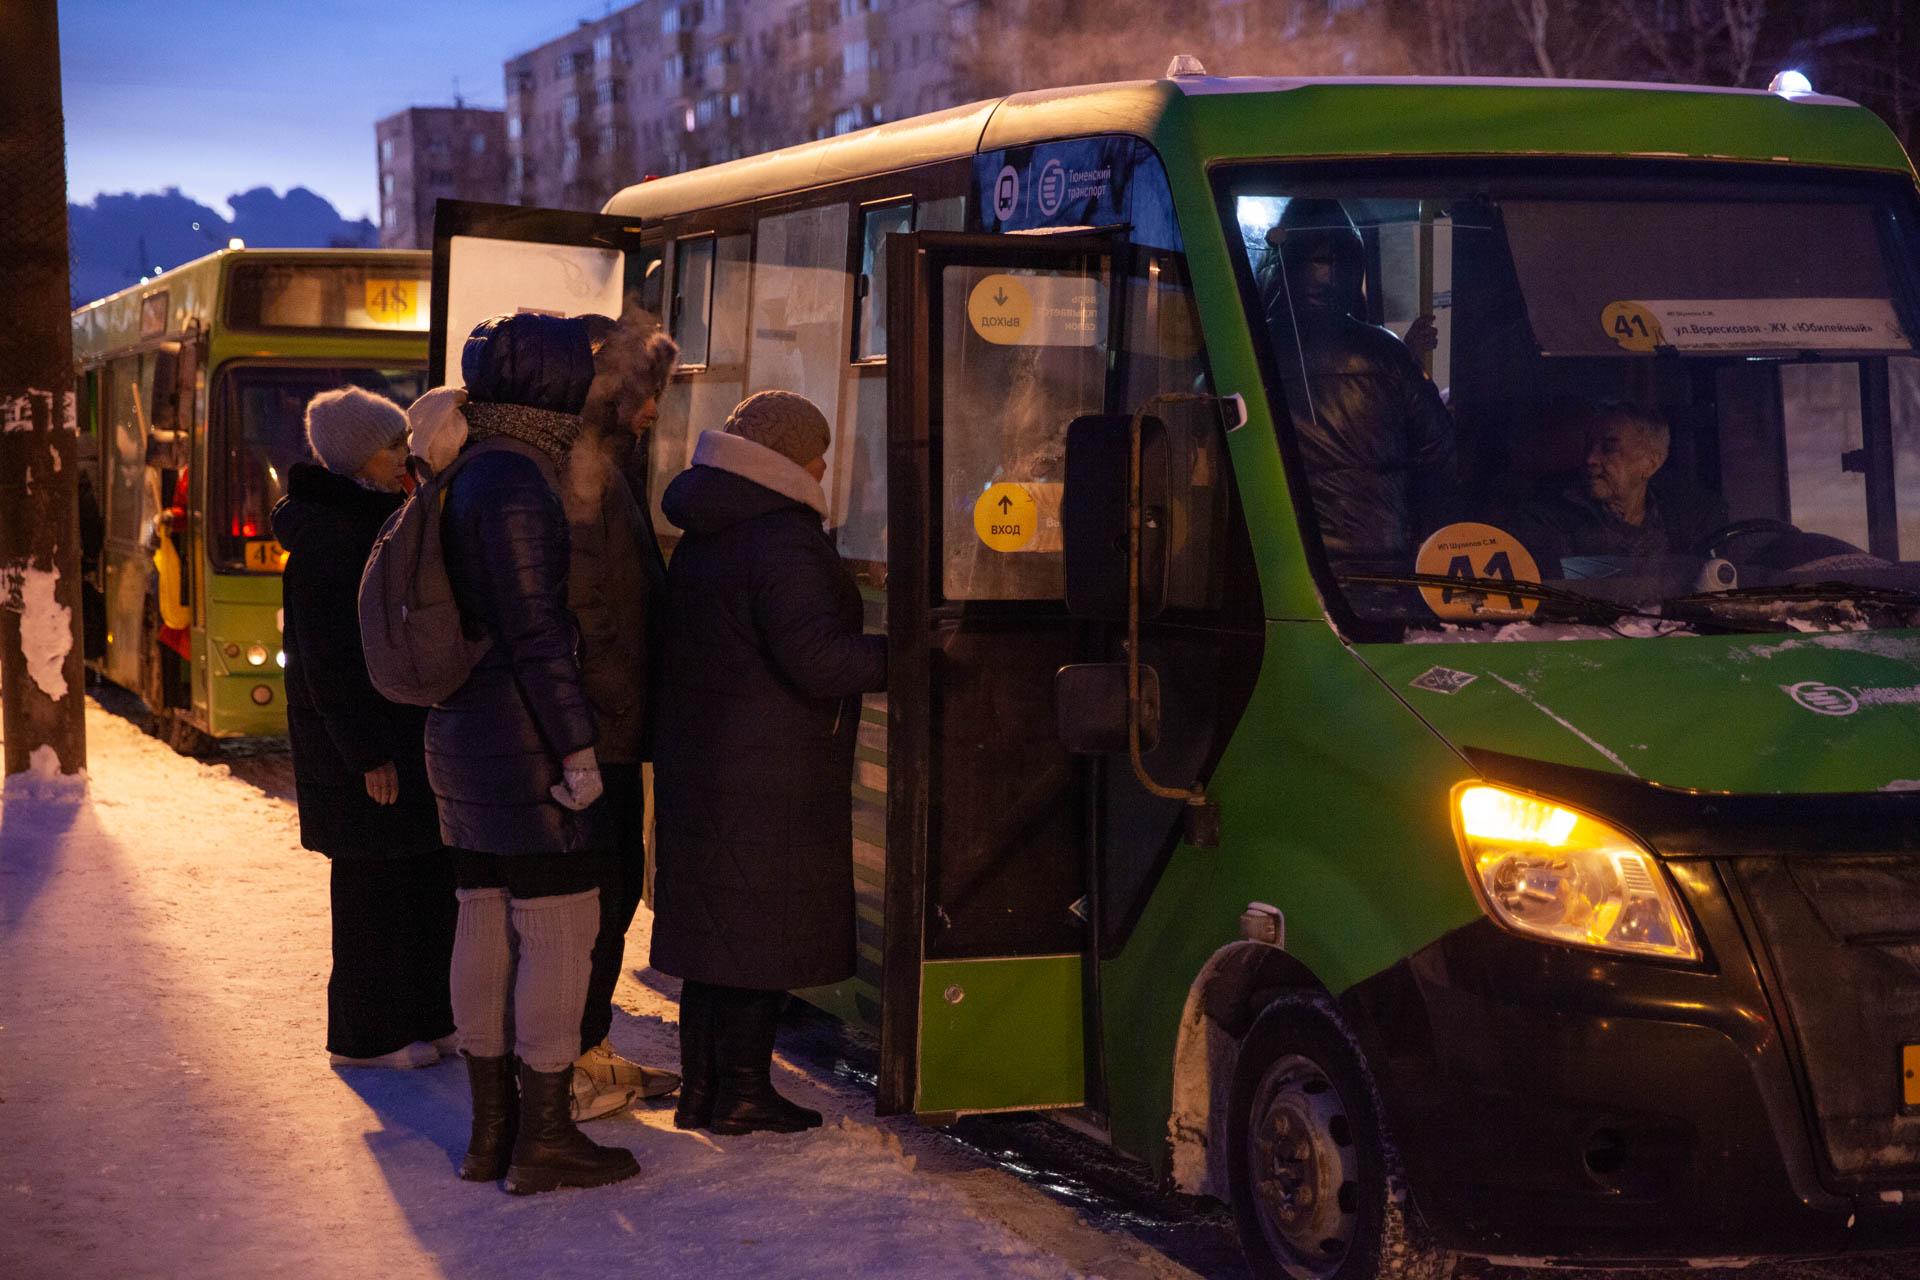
[764, 665]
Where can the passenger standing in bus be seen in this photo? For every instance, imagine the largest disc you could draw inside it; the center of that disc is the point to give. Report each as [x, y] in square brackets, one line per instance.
[511, 757]
[359, 766]
[615, 578]
[763, 670]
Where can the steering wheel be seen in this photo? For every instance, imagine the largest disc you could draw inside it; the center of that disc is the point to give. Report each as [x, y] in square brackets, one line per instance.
[1713, 546]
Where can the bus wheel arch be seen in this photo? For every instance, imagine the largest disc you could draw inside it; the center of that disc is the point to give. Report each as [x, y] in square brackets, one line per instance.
[1236, 984]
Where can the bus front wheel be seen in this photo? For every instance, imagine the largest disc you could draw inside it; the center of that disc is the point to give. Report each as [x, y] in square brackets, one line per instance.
[1311, 1176]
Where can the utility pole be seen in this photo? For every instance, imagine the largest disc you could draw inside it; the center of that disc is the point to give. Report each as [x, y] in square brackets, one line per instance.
[42, 690]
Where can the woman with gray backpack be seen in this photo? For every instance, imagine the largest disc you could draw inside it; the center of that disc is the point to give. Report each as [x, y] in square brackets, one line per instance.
[510, 751]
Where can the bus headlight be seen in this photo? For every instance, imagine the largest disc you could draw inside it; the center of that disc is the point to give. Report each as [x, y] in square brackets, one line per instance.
[256, 655]
[1556, 873]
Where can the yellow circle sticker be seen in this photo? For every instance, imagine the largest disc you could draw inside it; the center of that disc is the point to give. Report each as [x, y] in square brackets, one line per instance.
[1006, 517]
[1633, 326]
[1000, 308]
[1469, 550]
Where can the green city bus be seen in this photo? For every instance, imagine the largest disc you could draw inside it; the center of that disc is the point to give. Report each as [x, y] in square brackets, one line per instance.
[1444, 786]
[190, 395]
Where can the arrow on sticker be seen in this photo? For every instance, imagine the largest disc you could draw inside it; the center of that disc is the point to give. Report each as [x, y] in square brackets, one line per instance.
[1000, 296]
[1006, 504]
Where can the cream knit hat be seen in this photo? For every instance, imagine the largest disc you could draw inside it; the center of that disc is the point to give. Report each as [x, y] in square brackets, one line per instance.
[348, 425]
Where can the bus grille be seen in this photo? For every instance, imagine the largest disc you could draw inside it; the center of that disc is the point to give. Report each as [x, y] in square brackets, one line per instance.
[1841, 936]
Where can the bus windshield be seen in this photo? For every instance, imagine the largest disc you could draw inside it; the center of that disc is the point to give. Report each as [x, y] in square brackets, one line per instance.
[1654, 398]
[260, 432]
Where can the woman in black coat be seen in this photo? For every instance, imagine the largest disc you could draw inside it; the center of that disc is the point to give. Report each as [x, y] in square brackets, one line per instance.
[511, 757]
[764, 666]
[359, 772]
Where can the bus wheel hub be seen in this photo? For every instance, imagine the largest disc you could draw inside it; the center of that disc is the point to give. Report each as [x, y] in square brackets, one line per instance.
[1305, 1169]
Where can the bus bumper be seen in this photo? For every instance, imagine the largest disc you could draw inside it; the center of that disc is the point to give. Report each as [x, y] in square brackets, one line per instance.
[1559, 1105]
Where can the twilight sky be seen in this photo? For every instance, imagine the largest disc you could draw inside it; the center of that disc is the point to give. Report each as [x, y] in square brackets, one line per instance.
[216, 96]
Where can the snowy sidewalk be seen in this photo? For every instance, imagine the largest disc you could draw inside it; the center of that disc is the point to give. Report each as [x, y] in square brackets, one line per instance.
[166, 1107]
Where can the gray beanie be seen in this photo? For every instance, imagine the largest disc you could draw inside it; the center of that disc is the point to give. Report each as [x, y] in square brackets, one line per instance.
[348, 425]
[784, 421]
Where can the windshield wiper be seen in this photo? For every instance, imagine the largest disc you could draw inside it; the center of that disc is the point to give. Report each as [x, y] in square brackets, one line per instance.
[1560, 604]
[1803, 592]
[1746, 601]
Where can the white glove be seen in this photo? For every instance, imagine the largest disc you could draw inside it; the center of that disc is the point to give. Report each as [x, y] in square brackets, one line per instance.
[582, 785]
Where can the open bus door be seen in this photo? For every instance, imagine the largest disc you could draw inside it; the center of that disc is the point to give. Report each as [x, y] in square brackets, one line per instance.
[999, 342]
[495, 259]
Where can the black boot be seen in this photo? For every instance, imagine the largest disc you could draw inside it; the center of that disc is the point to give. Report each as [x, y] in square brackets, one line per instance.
[744, 1099]
[695, 1110]
[549, 1152]
[496, 1115]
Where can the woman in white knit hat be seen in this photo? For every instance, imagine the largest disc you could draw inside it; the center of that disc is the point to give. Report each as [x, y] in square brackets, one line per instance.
[359, 765]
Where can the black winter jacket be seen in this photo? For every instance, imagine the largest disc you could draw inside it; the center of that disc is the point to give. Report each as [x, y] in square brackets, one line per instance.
[763, 666]
[1377, 441]
[339, 727]
[494, 748]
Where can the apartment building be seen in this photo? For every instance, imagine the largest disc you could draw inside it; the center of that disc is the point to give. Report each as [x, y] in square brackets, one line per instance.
[425, 153]
[668, 85]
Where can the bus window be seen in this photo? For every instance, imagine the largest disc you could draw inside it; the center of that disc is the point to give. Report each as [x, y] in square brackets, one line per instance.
[870, 291]
[946, 213]
[1594, 381]
[261, 433]
[1820, 404]
[128, 516]
[692, 298]
[797, 339]
[700, 399]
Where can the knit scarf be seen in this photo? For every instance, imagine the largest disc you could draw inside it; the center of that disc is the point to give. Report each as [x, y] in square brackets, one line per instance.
[554, 433]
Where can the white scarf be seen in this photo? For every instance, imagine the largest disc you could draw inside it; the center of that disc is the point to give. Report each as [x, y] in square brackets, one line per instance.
[768, 468]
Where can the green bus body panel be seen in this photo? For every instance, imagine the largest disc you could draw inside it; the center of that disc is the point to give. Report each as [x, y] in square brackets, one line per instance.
[1709, 713]
[1011, 1042]
[1461, 118]
[1334, 808]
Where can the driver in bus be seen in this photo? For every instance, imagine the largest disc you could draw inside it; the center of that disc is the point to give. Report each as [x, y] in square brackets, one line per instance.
[1376, 437]
[1613, 510]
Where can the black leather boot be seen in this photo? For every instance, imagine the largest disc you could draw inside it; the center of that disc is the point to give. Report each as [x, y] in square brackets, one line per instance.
[695, 1109]
[549, 1152]
[744, 1099]
[496, 1114]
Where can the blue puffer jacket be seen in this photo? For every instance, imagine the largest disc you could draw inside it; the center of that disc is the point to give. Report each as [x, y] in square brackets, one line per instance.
[494, 748]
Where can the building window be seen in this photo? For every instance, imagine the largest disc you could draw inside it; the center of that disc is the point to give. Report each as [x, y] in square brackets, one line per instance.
[386, 150]
[386, 184]
[513, 128]
[479, 144]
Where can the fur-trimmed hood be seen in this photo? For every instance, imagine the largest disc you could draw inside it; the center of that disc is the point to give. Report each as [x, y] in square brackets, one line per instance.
[733, 480]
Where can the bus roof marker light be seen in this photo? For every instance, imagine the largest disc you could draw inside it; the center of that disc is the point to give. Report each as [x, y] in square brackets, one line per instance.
[1791, 84]
[1185, 67]
[236, 243]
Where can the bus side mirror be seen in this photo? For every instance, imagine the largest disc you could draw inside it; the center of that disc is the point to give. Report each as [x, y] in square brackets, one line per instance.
[1090, 708]
[1093, 516]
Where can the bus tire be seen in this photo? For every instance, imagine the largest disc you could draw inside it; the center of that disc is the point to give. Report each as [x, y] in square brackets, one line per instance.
[1315, 1187]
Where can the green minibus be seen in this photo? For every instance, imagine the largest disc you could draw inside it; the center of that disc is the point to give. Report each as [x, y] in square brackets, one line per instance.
[190, 398]
[1404, 704]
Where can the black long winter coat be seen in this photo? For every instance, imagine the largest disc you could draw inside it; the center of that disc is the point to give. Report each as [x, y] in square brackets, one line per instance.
[759, 703]
[494, 747]
[340, 728]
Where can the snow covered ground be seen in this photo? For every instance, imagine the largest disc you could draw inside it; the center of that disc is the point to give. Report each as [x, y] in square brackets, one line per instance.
[166, 1107]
